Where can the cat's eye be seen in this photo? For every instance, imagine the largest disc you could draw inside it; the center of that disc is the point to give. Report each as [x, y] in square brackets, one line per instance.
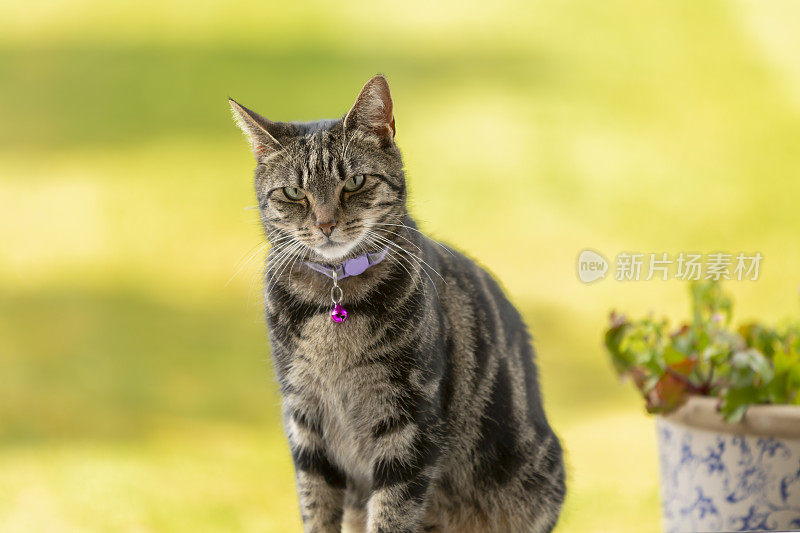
[293, 193]
[353, 183]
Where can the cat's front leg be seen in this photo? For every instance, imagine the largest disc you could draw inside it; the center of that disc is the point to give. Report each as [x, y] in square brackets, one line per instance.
[321, 503]
[320, 483]
[402, 474]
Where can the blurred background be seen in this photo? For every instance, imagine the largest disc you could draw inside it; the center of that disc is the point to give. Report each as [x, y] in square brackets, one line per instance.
[136, 388]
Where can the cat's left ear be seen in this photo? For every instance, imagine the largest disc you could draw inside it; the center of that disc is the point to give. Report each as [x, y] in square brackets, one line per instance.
[263, 133]
[373, 110]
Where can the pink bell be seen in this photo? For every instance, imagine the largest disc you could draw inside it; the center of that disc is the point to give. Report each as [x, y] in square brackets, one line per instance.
[339, 314]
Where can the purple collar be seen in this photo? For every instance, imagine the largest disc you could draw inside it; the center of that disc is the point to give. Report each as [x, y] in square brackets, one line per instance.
[351, 267]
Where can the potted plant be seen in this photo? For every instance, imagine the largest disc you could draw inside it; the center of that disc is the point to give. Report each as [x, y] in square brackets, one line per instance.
[728, 406]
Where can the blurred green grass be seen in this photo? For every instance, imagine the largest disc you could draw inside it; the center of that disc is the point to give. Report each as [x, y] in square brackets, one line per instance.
[137, 392]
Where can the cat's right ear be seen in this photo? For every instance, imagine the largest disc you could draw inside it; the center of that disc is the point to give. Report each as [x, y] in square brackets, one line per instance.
[262, 132]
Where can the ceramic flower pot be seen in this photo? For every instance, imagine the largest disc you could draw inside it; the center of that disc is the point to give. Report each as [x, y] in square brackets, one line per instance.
[717, 476]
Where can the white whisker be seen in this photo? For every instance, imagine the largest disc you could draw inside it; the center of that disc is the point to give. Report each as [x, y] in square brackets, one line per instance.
[260, 249]
[417, 259]
[394, 256]
[442, 246]
[412, 255]
[294, 248]
[412, 243]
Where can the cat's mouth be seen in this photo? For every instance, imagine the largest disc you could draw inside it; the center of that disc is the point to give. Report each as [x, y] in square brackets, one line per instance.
[333, 250]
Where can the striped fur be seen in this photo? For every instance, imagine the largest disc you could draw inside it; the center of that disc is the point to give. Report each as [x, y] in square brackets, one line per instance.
[422, 411]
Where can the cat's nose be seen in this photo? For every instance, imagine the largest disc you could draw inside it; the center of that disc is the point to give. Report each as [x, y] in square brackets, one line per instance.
[327, 227]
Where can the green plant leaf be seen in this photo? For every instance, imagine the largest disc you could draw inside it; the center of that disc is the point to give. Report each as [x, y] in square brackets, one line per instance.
[754, 364]
[735, 402]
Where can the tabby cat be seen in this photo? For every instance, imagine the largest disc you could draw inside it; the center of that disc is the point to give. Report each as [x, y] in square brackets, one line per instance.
[420, 409]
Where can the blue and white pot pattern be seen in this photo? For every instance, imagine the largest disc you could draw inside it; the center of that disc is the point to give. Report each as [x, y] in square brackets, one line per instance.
[713, 480]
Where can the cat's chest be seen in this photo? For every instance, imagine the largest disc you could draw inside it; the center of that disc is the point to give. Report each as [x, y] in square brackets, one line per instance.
[330, 380]
[345, 429]
[330, 344]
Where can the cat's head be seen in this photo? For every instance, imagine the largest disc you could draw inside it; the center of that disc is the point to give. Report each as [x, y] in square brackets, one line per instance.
[324, 185]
